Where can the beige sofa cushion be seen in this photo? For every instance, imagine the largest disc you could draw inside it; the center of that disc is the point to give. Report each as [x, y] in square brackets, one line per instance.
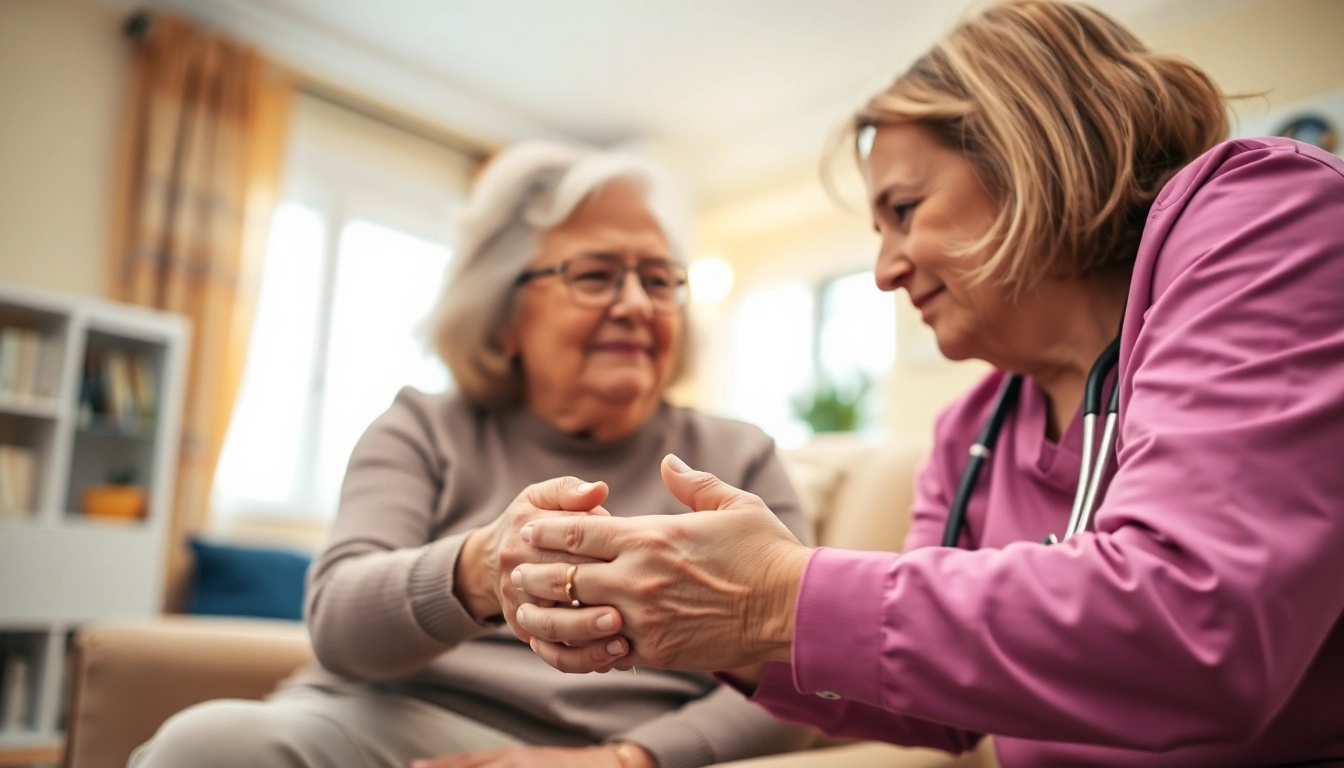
[870, 509]
[130, 676]
[857, 495]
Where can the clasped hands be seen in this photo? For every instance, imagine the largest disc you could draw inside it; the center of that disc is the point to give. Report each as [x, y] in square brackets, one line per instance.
[710, 591]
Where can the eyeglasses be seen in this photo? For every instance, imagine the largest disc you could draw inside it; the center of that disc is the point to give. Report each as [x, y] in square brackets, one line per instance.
[596, 279]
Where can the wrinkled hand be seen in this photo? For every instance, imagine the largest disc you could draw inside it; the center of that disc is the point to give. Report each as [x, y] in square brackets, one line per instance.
[490, 553]
[713, 590]
[527, 757]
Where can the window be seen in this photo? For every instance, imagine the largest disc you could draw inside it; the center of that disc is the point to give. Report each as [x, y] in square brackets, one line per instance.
[357, 256]
[790, 338]
[856, 339]
[772, 362]
[386, 282]
[261, 456]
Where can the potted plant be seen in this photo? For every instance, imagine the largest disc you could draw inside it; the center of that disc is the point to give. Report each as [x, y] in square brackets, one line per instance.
[120, 498]
[830, 408]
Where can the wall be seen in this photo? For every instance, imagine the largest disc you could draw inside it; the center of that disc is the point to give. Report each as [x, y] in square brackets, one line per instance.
[63, 71]
[1287, 48]
[792, 230]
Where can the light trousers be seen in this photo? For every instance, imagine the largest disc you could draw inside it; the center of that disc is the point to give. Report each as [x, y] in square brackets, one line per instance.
[355, 726]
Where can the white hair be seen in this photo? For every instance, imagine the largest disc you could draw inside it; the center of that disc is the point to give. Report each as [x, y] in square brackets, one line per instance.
[525, 190]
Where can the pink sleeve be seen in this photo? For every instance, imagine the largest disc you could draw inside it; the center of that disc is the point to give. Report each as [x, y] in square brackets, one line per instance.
[847, 719]
[778, 692]
[1215, 573]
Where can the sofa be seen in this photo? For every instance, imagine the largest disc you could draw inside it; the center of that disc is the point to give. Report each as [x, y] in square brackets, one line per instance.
[129, 677]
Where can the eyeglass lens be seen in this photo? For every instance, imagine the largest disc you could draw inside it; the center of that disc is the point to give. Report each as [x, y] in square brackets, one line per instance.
[598, 277]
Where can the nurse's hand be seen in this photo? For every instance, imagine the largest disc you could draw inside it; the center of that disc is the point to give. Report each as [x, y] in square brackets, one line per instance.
[713, 590]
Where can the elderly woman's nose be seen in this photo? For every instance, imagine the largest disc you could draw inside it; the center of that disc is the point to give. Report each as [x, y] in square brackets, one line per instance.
[631, 296]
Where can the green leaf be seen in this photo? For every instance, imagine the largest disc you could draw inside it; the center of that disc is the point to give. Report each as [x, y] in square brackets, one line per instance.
[829, 408]
[122, 476]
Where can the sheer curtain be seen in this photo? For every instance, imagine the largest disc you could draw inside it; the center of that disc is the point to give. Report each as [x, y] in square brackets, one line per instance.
[202, 151]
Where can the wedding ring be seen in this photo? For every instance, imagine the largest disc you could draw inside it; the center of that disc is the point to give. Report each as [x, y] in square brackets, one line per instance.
[569, 586]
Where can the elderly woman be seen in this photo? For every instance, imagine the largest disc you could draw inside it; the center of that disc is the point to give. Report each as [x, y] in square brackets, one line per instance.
[563, 325]
[1042, 182]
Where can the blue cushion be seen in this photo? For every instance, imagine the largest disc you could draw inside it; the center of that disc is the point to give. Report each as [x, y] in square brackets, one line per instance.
[247, 581]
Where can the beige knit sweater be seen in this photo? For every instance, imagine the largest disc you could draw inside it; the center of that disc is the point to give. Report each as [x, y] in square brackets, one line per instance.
[380, 602]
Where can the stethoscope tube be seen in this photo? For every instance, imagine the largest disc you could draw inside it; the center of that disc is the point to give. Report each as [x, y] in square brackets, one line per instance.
[1089, 480]
[1091, 469]
[1094, 482]
[980, 453]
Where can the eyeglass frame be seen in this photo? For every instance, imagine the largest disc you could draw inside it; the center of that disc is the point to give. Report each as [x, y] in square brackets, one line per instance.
[679, 273]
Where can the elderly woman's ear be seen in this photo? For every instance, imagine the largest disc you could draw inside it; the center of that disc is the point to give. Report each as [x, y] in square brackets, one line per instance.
[508, 343]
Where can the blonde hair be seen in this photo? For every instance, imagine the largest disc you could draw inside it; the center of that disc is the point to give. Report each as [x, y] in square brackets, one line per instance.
[524, 191]
[1071, 123]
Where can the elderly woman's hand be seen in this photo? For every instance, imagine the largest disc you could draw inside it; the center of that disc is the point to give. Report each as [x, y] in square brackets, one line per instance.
[713, 590]
[490, 553]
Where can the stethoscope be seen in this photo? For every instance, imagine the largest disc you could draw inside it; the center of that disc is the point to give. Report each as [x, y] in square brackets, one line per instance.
[1089, 476]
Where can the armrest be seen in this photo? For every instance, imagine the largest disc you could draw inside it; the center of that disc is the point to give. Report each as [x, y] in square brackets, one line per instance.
[131, 676]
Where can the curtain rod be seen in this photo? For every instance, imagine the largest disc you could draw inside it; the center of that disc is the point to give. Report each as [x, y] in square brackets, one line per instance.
[338, 97]
[138, 25]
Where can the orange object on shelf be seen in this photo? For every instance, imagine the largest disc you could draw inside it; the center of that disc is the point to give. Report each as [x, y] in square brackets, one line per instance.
[123, 502]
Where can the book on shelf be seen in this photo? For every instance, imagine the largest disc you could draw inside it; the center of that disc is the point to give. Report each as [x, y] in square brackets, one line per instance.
[120, 397]
[118, 391]
[25, 370]
[146, 393]
[30, 364]
[16, 695]
[9, 358]
[50, 360]
[18, 466]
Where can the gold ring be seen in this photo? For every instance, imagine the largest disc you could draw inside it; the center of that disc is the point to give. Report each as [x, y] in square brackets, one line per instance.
[569, 586]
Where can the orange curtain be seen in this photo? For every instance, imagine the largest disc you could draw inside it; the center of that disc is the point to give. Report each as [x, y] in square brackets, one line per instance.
[200, 167]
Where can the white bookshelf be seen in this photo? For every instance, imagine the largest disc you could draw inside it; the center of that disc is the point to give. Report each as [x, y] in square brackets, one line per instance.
[59, 567]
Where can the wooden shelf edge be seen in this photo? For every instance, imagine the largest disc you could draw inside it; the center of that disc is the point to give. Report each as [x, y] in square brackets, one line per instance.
[28, 754]
[34, 408]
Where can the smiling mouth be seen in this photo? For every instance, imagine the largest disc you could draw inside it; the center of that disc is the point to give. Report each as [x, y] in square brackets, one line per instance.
[924, 299]
[622, 348]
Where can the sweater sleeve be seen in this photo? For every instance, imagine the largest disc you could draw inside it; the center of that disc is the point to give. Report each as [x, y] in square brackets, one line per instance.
[723, 726]
[1214, 575]
[380, 598]
[765, 477]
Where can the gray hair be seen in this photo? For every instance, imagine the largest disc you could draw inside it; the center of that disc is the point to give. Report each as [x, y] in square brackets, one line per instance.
[524, 191]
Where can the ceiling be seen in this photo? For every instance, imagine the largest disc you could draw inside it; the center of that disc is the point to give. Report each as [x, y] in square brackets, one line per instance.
[733, 92]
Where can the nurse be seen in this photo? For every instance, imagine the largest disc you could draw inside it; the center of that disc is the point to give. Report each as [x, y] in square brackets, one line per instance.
[1042, 182]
